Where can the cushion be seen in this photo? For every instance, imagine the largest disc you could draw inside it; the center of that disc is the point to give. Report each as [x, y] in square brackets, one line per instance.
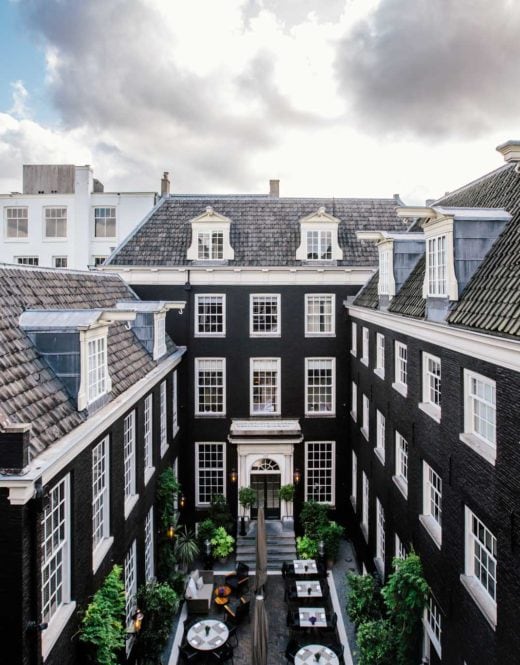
[191, 591]
[199, 583]
[195, 575]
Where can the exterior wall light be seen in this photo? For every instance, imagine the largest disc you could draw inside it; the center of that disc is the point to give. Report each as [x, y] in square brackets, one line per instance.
[297, 476]
[233, 476]
[170, 532]
[182, 501]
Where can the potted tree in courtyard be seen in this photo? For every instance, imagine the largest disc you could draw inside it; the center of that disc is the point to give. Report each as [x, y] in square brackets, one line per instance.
[247, 499]
[222, 544]
[286, 493]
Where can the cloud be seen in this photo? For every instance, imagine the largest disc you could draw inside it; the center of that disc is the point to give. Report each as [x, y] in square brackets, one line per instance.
[295, 12]
[432, 68]
[20, 97]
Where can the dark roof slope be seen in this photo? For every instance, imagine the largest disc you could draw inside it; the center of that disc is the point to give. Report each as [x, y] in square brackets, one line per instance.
[29, 390]
[368, 296]
[264, 231]
[409, 300]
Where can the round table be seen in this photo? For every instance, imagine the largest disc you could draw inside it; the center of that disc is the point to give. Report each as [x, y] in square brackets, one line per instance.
[307, 655]
[222, 594]
[207, 640]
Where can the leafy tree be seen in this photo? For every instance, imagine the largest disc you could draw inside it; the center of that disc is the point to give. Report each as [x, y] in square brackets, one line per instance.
[205, 532]
[167, 488]
[364, 600]
[376, 643]
[158, 602]
[307, 547]
[220, 513]
[313, 518]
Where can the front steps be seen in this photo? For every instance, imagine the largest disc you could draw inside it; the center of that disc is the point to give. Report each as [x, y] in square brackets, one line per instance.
[281, 545]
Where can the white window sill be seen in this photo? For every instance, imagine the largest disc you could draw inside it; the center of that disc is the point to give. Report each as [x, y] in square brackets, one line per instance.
[380, 567]
[364, 531]
[484, 602]
[402, 485]
[164, 449]
[380, 372]
[323, 334]
[364, 361]
[353, 502]
[401, 388]
[130, 503]
[175, 431]
[321, 414]
[485, 450]
[100, 552]
[56, 627]
[380, 454]
[264, 414]
[257, 335]
[353, 415]
[433, 639]
[364, 432]
[431, 410]
[433, 528]
[209, 414]
[353, 353]
[148, 473]
[221, 335]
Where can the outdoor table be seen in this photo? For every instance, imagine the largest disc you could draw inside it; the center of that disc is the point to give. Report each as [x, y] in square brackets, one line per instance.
[302, 589]
[301, 564]
[207, 640]
[309, 654]
[222, 594]
[306, 613]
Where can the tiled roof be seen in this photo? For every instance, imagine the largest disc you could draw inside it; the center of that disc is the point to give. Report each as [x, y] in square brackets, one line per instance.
[409, 300]
[368, 296]
[264, 231]
[29, 390]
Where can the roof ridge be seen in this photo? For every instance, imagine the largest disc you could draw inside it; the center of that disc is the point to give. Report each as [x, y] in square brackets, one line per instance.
[277, 199]
[503, 167]
[59, 271]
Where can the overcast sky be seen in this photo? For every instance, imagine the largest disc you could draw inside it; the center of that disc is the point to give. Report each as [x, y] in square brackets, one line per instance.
[333, 97]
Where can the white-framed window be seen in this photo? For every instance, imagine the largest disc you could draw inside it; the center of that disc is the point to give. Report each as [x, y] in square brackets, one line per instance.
[129, 454]
[433, 625]
[105, 222]
[353, 338]
[210, 315]
[148, 438]
[17, 222]
[480, 414]
[264, 315]
[130, 576]
[56, 222]
[27, 260]
[353, 497]
[159, 335]
[366, 505]
[98, 260]
[480, 570]
[97, 367]
[265, 386]
[175, 400]
[210, 245]
[163, 418]
[320, 314]
[431, 385]
[401, 464]
[210, 386]
[100, 495]
[60, 261]
[210, 471]
[400, 549]
[353, 401]
[320, 386]
[149, 567]
[380, 436]
[365, 422]
[380, 537]
[379, 369]
[365, 337]
[401, 367]
[436, 265]
[175, 467]
[431, 517]
[384, 272]
[320, 482]
[319, 245]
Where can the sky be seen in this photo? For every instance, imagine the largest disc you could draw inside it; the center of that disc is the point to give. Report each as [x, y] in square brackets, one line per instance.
[332, 97]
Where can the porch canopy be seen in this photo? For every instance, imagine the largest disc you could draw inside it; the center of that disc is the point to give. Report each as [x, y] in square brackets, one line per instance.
[265, 429]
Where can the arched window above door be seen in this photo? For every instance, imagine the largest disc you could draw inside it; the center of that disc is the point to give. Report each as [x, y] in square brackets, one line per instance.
[265, 464]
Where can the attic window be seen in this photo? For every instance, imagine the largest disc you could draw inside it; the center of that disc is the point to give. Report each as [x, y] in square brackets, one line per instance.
[436, 266]
[384, 272]
[159, 336]
[210, 245]
[319, 238]
[210, 238]
[97, 368]
[319, 245]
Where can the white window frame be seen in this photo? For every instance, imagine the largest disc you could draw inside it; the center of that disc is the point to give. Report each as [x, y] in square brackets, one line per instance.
[471, 436]
[130, 580]
[175, 405]
[432, 622]
[431, 386]
[101, 540]
[400, 549]
[255, 298]
[380, 449]
[385, 268]
[129, 462]
[321, 362]
[365, 345]
[379, 368]
[215, 471]
[323, 319]
[401, 464]
[278, 369]
[54, 238]
[437, 265]
[365, 507]
[380, 538]
[159, 335]
[212, 366]
[475, 551]
[163, 418]
[31, 260]
[353, 339]
[431, 517]
[149, 468]
[98, 259]
[318, 237]
[320, 469]
[353, 496]
[400, 368]
[104, 217]
[365, 419]
[353, 401]
[200, 317]
[17, 217]
[97, 368]
[215, 241]
[149, 547]
[58, 259]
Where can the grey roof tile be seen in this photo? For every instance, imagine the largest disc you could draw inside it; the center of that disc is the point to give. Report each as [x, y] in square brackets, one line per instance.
[409, 300]
[368, 296]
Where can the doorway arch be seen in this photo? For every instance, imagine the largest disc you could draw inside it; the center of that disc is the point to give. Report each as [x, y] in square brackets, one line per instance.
[265, 481]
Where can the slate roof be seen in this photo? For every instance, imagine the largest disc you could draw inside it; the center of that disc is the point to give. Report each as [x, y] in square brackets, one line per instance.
[409, 300]
[265, 231]
[29, 390]
[368, 296]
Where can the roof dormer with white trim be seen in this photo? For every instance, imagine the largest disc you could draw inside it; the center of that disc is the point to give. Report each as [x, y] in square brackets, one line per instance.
[210, 240]
[319, 238]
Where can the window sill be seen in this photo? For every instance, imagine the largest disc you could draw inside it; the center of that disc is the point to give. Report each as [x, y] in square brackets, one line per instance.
[380, 567]
[100, 552]
[485, 450]
[378, 371]
[364, 432]
[324, 334]
[402, 486]
[130, 503]
[380, 454]
[353, 353]
[219, 335]
[481, 598]
[364, 361]
[353, 502]
[431, 410]
[320, 414]
[56, 627]
[433, 529]
[164, 450]
[401, 388]
[364, 531]
[210, 415]
[257, 335]
[148, 473]
[353, 415]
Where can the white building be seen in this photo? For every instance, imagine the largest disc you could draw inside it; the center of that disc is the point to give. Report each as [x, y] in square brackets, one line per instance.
[64, 218]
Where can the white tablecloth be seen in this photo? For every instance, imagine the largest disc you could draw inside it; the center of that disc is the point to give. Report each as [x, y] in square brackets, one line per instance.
[307, 655]
[302, 589]
[305, 614]
[300, 564]
[215, 637]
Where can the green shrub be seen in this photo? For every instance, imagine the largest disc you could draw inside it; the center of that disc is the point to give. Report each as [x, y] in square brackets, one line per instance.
[364, 600]
[376, 643]
[220, 513]
[168, 488]
[313, 517]
[205, 532]
[222, 543]
[246, 498]
[331, 535]
[186, 547]
[307, 547]
[159, 603]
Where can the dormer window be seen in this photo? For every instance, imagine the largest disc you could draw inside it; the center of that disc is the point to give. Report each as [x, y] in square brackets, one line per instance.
[385, 259]
[210, 238]
[97, 367]
[436, 261]
[319, 245]
[159, 336]
[210, 245]
[319, 238]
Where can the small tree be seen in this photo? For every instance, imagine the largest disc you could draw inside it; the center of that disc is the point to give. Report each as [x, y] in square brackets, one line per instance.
[246, 498]
[313, 517]
[364, 600]
[168, 487]
[286, 493]
[376, 643]
[158, 602]
[220, 513]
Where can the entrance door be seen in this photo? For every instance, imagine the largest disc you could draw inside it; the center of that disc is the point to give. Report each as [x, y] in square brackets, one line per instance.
[265, 481]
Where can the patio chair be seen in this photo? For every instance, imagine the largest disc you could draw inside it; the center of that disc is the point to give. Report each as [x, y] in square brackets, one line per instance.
[222, 654]
[235, 614]
[332, 622]
[287, 570]
[339, 650]
[239, 580]
[291, 650]
[189, 655]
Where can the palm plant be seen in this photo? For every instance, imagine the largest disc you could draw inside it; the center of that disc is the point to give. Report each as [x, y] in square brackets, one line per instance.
[186, 547]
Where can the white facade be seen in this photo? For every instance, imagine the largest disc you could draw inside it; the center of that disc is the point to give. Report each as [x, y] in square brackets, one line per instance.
[28, 239]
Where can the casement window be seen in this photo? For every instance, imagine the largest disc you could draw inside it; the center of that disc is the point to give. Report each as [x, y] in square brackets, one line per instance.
[431, 517]
[364, 345]
[159, 335]
[210, 245]
[380, 436]
[319, 245]
[60, 261]
[210, 471]
[55, 222]
[353, 338]
[379, 369]
[320, 315]
[353, 497]
[100, 499]
[149, 567]
[365, 506]
[264, 315]
[365, 426]
[320, 386]
[265, 386]
[27, 260]
[320, 473]
[17, 222]
[163, 418]
[401, 464]
[480, 414]
[104, 222]
[98, 260]
[148, 438]
[380, 538]
[353, 402]
[97, 372]
[210, 386]
[400, 549]
[130, 577]
[431, 385]
[480, 570]
[401, 368]
[129, 455]
[433, 627]
[175, 399]
[210, 315]
[384, 272]
[436, 265]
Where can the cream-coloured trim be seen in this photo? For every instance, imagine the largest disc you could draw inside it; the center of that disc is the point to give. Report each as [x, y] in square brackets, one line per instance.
[210, 221]
[86, 336]
[434, 229]
[319, 221]
[387, 247]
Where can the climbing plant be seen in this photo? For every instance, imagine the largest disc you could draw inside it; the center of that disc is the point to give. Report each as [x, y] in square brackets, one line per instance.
[158, 602]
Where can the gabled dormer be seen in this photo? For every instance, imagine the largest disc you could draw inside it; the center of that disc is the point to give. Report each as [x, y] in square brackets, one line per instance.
[210, 240]
[319, 238]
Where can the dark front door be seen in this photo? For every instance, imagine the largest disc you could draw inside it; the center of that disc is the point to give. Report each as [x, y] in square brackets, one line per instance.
[266, 486]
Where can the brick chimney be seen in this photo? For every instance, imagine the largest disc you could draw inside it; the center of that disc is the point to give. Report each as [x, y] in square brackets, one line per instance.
[165, 184]
[274, 189]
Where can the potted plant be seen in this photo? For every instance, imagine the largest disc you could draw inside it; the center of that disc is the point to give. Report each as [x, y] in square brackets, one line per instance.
[220, 513]
[186, 547]
[247, 499]
[286, 493]
[331, 535]
[222, 544]
[313, 517]
[158, 602]
[306, 547]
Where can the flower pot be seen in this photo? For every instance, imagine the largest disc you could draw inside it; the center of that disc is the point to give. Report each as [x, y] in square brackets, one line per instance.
[330, 564]
[222, 559]
[242, 526]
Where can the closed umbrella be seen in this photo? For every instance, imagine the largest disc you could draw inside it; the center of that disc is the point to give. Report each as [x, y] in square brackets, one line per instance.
[260, 633]
[261, 552]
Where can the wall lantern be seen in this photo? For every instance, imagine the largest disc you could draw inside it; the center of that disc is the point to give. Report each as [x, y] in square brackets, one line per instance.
[233, 476]
[297, 476]
[137, 624]
[170, 532]
[182, 501]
